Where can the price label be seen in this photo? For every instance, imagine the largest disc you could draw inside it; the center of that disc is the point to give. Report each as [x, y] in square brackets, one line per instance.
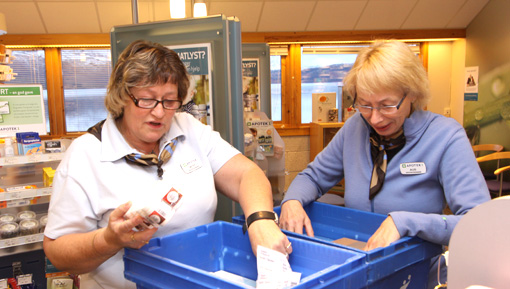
[3, 284]
[6, 243]
[24, 279]
[9, 160]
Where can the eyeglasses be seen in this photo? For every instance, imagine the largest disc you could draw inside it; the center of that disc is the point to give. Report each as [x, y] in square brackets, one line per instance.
[150, 103]
[386, 109]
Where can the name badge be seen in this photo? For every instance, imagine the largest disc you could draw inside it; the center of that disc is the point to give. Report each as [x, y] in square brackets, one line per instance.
[413, 168]
[191, 166]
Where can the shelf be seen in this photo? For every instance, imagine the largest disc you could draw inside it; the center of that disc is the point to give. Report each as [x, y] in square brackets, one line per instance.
[23, 240]
[24, 197]
[36, 158]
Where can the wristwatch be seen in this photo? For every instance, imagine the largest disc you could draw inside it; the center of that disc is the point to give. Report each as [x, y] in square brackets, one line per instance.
[261, 215]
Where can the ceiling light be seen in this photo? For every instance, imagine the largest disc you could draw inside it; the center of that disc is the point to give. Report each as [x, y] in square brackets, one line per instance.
[177, 9]
[199, 9]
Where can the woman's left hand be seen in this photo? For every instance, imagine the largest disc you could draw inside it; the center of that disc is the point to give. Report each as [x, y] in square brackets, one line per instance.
[385, 235]
[266, 233]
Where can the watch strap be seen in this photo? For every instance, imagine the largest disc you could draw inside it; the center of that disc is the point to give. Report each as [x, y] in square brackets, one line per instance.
[261, 215]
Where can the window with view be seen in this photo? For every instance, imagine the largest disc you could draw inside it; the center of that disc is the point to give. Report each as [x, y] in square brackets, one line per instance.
[85, 76]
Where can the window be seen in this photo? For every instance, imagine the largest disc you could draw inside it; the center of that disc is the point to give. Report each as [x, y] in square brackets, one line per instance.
[323, 69]
[30, 65]
[85, 74]
[276, 87]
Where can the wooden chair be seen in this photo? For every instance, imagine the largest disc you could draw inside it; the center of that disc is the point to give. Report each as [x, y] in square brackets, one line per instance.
[492, 148]
[498, 185]
[484, 149]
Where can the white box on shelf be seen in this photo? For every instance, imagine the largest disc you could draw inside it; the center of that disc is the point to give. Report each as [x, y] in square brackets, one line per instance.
[322, 102]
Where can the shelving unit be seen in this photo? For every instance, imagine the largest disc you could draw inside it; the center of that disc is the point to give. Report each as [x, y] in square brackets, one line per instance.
[320, 135]
[16, 173]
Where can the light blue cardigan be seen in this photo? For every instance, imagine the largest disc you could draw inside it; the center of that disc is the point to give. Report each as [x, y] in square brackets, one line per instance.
[415, 201]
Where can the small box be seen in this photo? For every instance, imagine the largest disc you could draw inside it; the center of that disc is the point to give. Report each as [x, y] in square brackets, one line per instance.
[194, 258]
[404, 262]
[48, 174]
[52, 146]
[29, 143]
[321, 104]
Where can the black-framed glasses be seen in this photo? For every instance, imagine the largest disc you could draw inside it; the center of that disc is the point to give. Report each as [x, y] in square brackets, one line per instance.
[385, 109]
[149, 103]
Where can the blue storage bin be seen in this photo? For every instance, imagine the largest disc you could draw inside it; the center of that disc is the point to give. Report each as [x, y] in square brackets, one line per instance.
[188, 259]
[404, 262]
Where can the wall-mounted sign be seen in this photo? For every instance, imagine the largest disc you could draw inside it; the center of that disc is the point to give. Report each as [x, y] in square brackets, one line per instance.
[197, 59]
[21, 109]
[471, 84]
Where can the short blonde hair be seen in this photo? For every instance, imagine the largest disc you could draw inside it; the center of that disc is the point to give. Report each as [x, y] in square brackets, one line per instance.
[144, 64]
[389, 66]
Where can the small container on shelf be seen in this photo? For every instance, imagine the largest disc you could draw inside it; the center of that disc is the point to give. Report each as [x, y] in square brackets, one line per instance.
[28, 227]
[9, 230]
[7, 218]
[26, 215]
[42, 223]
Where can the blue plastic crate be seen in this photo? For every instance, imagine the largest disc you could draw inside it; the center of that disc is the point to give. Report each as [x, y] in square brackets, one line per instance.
[404, 261]
[189, 258]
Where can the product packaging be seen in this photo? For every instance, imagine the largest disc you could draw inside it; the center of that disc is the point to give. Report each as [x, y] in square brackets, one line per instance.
[156, 211]
[321, 104]
[26, 215]
[9, 230]
[7, 218]
[48, 174]
[28, 227]
[28, 143]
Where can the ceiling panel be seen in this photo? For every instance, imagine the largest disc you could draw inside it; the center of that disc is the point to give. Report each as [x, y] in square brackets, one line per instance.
[467, 13]
[385, 14]
[98, 16]
[22, 17]
[285, 15]
[336, 15]
[78, 17]
[247, 12]
[432, 14]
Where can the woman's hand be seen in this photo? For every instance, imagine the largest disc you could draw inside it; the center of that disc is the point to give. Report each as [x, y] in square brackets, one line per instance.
[386, 234]
[293, 218]
[120, 231]
[266, 233]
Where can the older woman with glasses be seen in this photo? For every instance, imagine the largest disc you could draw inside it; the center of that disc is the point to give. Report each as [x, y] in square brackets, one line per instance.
[147, 150]
[395, 157]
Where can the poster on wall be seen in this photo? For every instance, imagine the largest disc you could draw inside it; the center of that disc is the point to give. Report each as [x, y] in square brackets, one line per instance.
[22, 109]
[471, 84]
[197, 59]
[251, 85]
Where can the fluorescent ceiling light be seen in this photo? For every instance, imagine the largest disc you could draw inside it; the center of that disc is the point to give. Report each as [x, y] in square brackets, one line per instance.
[199, 9]
[177, 9]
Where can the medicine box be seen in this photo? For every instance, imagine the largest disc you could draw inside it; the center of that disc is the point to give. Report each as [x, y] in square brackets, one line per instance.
[28, 143]
[194, 258]
[404, 262]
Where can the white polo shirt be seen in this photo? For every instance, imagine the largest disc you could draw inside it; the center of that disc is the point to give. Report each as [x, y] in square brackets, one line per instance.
[94, 178]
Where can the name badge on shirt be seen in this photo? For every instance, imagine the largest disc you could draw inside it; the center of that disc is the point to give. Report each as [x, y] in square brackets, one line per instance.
[191, 166]
[413, 168]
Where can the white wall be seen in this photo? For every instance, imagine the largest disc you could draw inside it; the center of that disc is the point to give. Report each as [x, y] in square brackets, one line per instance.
[446, 73]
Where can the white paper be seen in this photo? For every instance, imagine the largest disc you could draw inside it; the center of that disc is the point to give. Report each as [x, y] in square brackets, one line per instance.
[274, 270]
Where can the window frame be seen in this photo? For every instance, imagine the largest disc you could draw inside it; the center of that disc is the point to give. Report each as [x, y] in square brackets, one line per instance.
[290, 125]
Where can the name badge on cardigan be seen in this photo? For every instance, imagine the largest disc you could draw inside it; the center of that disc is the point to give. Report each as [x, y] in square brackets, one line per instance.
[191, 166]
[413, 168]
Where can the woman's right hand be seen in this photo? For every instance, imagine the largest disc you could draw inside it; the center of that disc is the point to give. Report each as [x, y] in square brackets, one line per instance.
[120, 231]
[293, 218]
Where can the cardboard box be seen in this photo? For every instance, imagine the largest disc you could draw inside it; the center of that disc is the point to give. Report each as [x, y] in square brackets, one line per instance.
[321, 104]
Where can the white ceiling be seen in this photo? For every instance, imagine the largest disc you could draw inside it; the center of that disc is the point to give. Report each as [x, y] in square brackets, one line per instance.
[99, 16]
